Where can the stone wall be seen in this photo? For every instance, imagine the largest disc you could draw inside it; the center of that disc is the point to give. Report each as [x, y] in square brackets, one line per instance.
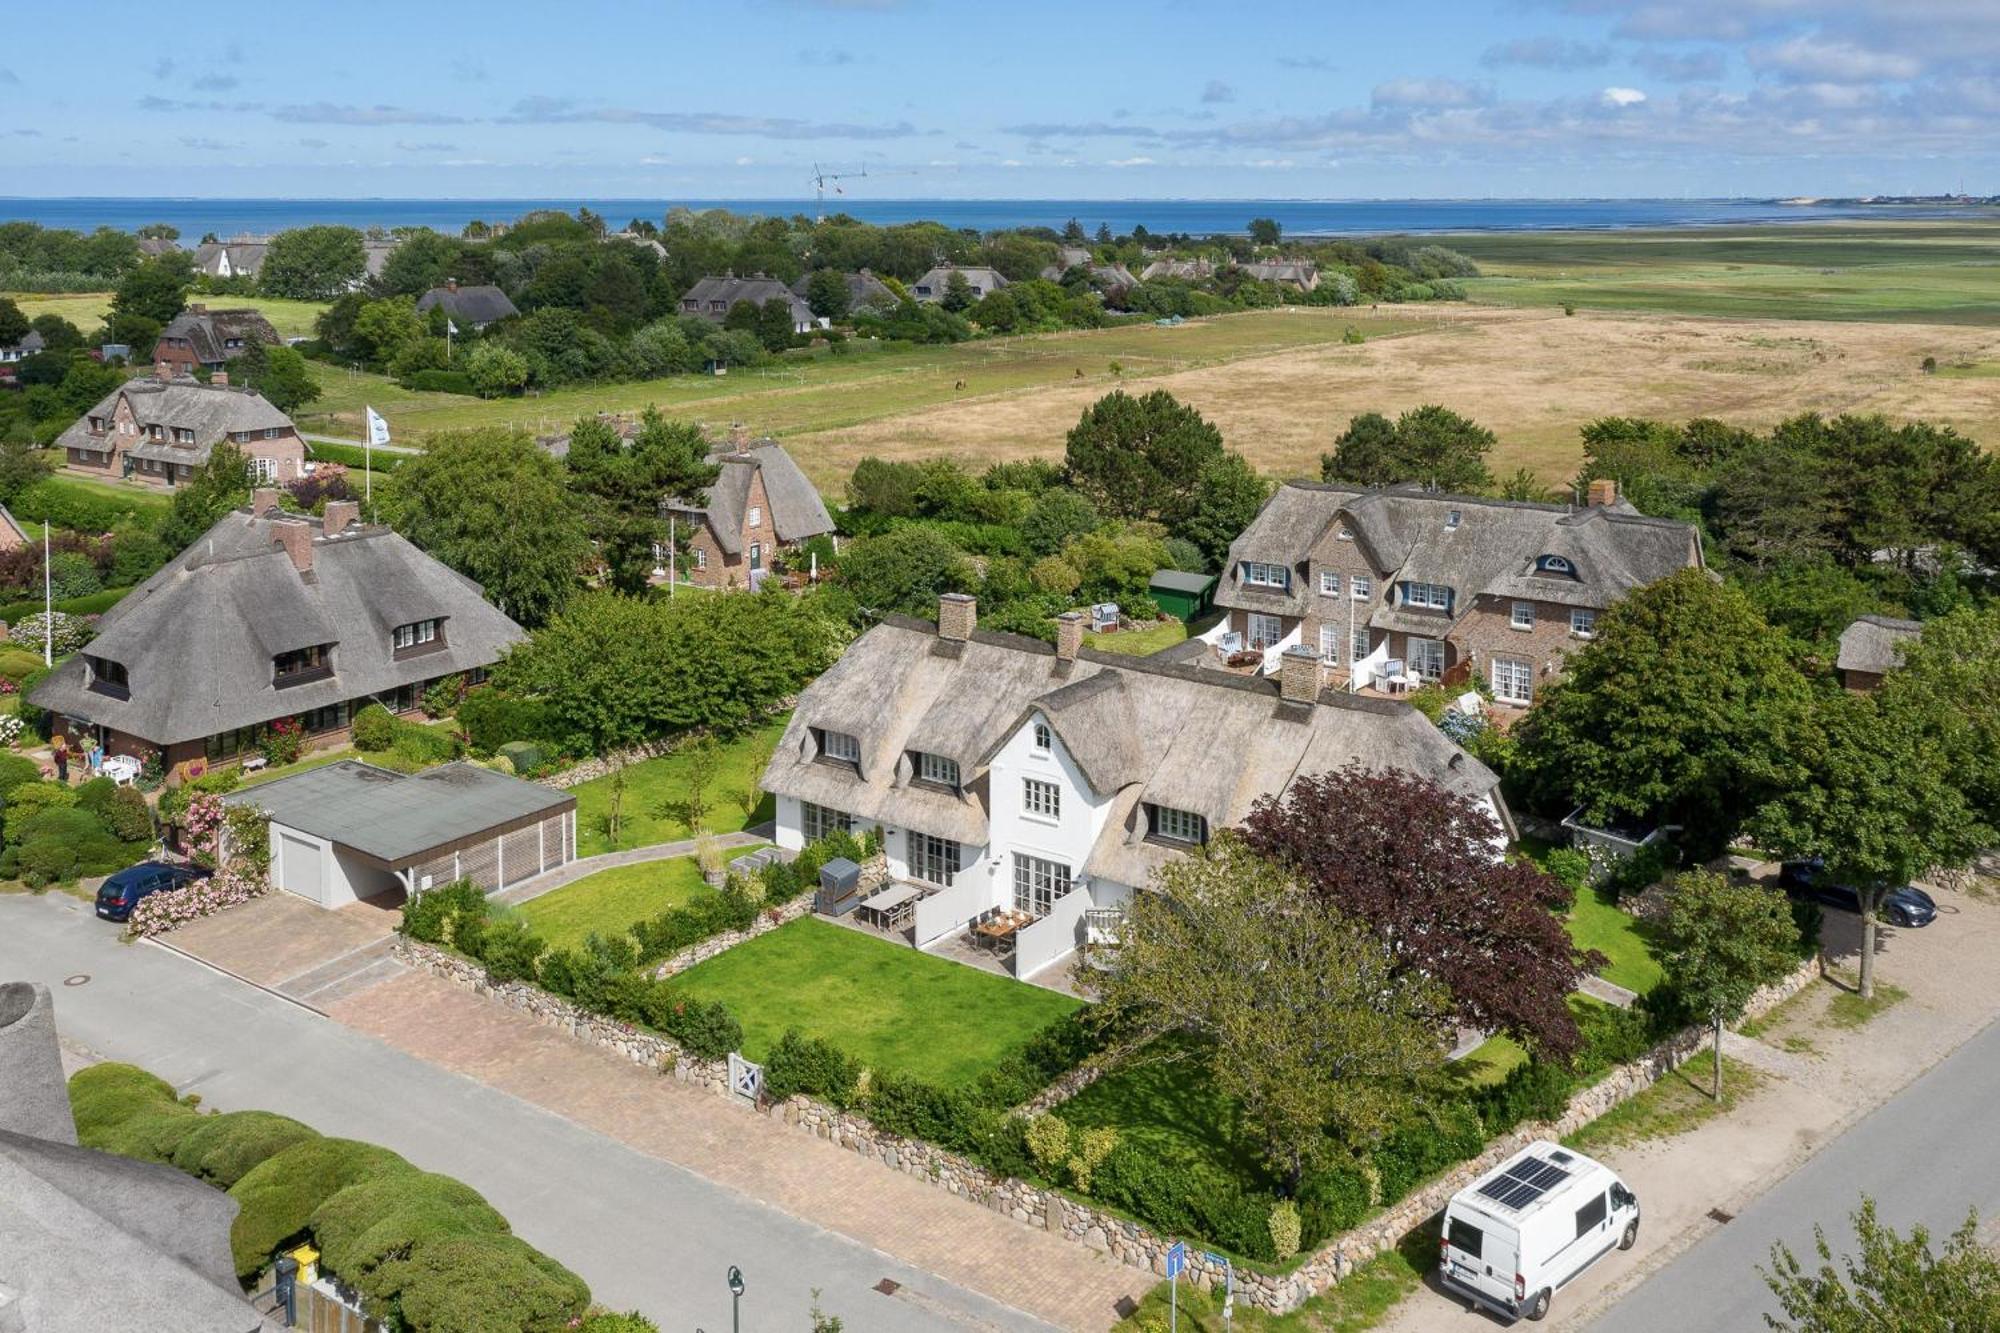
[1126, 1241]
[768, 920]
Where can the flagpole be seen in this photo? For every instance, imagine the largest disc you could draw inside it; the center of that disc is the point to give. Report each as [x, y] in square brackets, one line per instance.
[48, 603]
[673, 571]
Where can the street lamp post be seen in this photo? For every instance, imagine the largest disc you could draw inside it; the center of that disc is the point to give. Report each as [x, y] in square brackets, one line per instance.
[736, 1298]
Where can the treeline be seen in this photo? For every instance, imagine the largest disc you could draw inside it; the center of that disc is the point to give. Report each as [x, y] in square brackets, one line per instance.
[34, 258]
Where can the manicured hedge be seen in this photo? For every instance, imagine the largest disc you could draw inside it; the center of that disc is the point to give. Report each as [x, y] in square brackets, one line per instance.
[67, 504]
[355, 456]
[425, 1251]
[96, 603]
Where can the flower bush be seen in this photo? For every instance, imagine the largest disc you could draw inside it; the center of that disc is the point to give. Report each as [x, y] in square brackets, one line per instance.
[242, 874]
[11, 728]
[69, 632]
[283, 741]
[161, 912]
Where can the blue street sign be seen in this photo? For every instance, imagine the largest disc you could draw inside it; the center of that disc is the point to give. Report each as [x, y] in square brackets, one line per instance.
[1215, 1258]
[1176, 1259]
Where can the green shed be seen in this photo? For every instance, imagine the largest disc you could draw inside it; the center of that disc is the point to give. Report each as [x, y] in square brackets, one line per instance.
[1181, 595]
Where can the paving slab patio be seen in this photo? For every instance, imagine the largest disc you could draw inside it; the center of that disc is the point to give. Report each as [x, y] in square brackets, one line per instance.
[270, 940]
[1064, 1284]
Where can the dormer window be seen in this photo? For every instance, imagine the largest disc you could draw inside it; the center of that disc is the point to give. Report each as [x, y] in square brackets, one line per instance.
[1555, 564]
[109, 677]
[838, 747]
[1260, 575]
[1344, 535]
[302, 665]
[1451, 518]
[1427, 596]
[935, 770]
[418, 634]
[1166, 824]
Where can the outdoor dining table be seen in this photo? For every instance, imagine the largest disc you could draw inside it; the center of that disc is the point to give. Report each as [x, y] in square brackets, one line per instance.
[1001, 928]
[888, 906]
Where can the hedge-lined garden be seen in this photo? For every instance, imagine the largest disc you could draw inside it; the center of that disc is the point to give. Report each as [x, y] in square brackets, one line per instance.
[424, 1251]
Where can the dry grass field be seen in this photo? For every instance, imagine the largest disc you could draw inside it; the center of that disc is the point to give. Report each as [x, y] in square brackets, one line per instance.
[1533, 376]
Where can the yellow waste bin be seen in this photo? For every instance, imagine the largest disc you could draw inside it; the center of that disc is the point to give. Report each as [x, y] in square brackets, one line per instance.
[308, 1261]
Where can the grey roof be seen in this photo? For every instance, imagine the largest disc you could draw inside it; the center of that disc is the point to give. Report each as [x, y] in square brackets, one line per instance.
[211, 411]
[1494, 549]
[793, 507]
[197, 637]
[1296, 272]
[31, 342]
[1149, 730]
[89, 1240]
[153, 246]
[1179, 580]
[863, 288]
[246, 256]
[731, 290]
[211, 331]
[375, 254]
[475, 305]
[983, 279]
[1875, 643]
[1187, 270]
[401, 819]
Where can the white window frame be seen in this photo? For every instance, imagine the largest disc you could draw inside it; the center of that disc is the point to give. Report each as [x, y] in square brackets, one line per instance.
[1452, 518]
[755, 517]
[1039, 884]
[1178, 825]
[1505, 673]
[1329, 583]
[1259, 642]
[1426, 658]
[264, 469]
[1263, 574]
[1582, 622]
[1427, 596]
[1045, 740]
[935, 860]
[1555, 564]
[1344, 535]
[816, 821]
[1041, 799]
[1522, 616]
[416, 633]
[840, 746]
[937, 768]
[1360, 587]
[1359, 646]
[1329, 643]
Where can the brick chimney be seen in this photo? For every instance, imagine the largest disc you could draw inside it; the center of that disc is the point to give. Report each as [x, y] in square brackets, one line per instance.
[1069, 635]
[1603, 491]
[1298, 675]
[220, 377]
[451, 284]
[340, 516]
[163, 370]
[197, 309]
[297, 539]
[263, 502]
[739, 435]
[958, 614]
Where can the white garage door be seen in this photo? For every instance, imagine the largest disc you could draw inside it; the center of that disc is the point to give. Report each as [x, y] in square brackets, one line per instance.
[299, 868]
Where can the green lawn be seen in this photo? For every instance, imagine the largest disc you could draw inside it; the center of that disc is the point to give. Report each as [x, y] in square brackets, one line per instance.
[86, 310]
[1849, 1010]
[891, 1006]
[1139, 642]
[652, 787]
[1489, 1062]
[1596, 922]
[611, 902]
[1923, 272]
[139, 498]
[1171, 1108]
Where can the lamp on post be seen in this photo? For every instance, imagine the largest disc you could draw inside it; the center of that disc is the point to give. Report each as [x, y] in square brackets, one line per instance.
[736, 1298]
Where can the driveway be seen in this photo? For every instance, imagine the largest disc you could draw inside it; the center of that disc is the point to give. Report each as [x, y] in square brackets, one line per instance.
[643, 1232]
[299, 949]
[1810, 1096]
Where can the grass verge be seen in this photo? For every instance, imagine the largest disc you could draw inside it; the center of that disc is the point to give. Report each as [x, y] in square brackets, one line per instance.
[655, 787]
[1357, 1304]
[890, 1006]
[1849, 1010]
[1676, 1104]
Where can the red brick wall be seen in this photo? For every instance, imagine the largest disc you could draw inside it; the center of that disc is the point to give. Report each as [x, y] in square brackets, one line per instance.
[1345, 558]
[1487, 631]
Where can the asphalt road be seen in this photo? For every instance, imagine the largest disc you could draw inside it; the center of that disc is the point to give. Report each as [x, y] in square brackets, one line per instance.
[1925, 1156]
[642, 1232]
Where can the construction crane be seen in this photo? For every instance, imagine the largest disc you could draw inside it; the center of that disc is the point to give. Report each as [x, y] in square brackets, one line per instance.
[819, 180]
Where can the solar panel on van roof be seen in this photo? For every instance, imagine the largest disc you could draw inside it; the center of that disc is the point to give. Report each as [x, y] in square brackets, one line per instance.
[1524, 1182]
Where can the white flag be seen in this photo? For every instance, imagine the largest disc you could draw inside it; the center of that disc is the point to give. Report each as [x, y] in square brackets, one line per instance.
[378, 429]
[451, 328]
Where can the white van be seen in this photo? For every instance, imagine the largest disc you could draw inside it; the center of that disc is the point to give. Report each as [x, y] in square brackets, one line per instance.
[1530, 1225]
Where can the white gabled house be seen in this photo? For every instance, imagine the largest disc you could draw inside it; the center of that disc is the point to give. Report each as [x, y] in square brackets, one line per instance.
[1008, 774]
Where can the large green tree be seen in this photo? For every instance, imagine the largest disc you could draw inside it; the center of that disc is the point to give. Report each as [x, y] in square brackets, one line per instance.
[827, 294]
[279, 373]
[14, 325]
[625, 483]
[1680, 711]
[498, 509]
[1142, 457]
[1720, 942]
[1432, 445]
[1228, 496]
[904, 570]
[313, 263]
[1891, 1282]
[147, 297]
[217, 486]
[1302, 1015]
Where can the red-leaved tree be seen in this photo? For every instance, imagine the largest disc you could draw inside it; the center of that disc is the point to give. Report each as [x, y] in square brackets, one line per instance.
[1418, 865]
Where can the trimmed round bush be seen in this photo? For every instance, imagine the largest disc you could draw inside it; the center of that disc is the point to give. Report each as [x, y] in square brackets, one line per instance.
[470, 1284]
[29, 799]
[607, 1322]
[106, 1095]
[226, 1147]
[279, 1195]
[16, 769]
[389, 1214]
[374, 728]
[150, 1136]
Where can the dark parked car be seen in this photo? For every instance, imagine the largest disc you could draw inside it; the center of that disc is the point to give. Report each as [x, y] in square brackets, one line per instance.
[1907, 906]
[121, 893]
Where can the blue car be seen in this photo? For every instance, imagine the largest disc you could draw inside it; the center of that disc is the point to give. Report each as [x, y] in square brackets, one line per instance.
[121, 893]
[1907, 906]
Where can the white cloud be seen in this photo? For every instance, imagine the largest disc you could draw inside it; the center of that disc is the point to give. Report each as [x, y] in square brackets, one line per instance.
[1130, 162]
[1621, 97]
[1011, 162]
[1429, 93]
[1812, 59]
[1270, 163]
[745, 161]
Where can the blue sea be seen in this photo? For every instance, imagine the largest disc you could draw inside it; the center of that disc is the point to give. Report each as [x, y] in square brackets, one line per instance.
[1299, 217]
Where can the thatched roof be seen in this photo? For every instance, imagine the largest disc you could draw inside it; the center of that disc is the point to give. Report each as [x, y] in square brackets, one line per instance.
[1875, 643]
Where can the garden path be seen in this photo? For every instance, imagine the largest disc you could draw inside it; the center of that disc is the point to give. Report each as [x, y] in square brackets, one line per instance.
[902, 1217]
[551, 880]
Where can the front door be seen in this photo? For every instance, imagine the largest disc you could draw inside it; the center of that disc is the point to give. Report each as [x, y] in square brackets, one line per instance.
[756, 556]
[1427, 658]
[1265, 631]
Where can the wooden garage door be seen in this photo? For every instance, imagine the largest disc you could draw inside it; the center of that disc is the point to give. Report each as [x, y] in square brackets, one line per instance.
[299, 868]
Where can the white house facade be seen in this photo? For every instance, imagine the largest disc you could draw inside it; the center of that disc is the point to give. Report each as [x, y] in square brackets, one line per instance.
[1009, 776]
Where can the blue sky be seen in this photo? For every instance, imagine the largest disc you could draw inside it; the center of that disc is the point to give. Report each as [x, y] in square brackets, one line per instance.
[943, 99]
